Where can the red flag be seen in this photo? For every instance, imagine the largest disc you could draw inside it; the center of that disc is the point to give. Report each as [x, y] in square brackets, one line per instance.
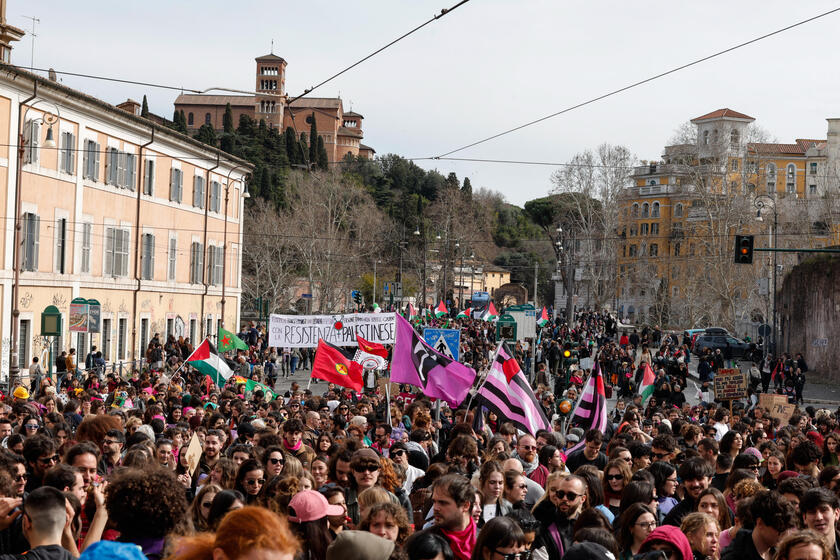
[776, 370]
[372, 347]
[333, 365]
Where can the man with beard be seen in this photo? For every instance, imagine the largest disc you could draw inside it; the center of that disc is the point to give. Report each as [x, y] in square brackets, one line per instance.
[210, 456]
[526, 452]
[557, 515]
[452, 502]
[696, 474]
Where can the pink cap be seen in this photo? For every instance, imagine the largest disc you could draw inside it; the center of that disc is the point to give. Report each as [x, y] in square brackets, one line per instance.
[310, 505]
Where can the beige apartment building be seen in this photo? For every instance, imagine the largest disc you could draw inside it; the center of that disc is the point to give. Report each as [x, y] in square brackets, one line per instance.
[117, 208]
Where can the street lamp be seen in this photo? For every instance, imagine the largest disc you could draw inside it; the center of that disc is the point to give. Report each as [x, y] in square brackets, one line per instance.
[761, 202]
[49, 142]
[245, 194]
[423, 279]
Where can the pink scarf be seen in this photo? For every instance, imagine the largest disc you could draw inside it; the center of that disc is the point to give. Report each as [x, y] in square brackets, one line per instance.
[295, 448]
[462, 542]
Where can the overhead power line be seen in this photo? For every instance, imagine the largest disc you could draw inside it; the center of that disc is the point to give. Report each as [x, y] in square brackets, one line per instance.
[639, 83]
[442, 13]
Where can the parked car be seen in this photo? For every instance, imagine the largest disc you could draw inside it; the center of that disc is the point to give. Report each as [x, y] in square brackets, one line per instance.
[714, 341]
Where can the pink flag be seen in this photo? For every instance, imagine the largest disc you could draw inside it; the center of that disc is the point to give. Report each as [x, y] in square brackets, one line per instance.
[416, 363]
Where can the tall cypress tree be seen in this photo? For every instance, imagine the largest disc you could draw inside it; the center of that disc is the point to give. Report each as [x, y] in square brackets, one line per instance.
[313, 140]
[144, 110]
[291, 142]
[304, 149]
[323, 159]
[227, 120]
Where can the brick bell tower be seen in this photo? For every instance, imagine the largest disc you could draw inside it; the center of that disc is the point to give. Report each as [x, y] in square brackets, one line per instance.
[271, 89]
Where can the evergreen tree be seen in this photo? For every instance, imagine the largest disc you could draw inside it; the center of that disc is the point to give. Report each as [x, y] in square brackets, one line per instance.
[182, 122]
[206, 134]
[466, 188]
[227, 120]
[246, 126]
[323, 159]
[313, 134]
[291, 143]
[144, 110]
[304, 150]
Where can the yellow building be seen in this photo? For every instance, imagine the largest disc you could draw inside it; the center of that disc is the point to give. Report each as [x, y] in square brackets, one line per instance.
[117, 208]
[678, 219]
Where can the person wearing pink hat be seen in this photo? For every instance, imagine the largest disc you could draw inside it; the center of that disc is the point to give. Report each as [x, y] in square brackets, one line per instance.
[308, 512]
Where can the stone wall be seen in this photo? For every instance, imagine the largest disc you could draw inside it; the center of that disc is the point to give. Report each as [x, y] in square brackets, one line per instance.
[808, 309]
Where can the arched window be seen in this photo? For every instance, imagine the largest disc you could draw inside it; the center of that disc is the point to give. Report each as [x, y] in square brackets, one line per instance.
[654, 213]
[207, 118]
[678, 210]
[734, 139]
[677, 248]
[635, 212]
[645, 210]
[190, 119]
[791, 171]
[771, 177]
[706, 137]
[715, 137]
[790, 182]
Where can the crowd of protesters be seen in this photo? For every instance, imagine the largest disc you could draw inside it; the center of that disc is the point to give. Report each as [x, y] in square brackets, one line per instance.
[163, 464]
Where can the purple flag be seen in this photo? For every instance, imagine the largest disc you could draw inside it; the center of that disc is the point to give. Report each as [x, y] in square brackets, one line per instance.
[591, 412]
[513, 400]
[416, 363]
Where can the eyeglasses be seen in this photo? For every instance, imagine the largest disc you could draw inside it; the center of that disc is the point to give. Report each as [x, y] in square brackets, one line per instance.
[515, 555]
[276, 460]
[106, 441]
[528, 447]
[648, 525]
[48, 460]
[568, 495]
[659, 455]
[31, 426]
[342, 408]
[613, 477]
[366, 468]
[254, 482]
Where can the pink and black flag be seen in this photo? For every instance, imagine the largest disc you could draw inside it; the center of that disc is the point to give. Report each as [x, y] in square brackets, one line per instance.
[416, 363]
[507, 392]
[591, 411]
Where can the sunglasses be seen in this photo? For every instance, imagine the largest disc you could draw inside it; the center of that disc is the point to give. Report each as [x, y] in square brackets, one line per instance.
[366, 468]
[613, 477]
[398, 453]
[568, 495]
[31, 426]
[515, 555]
[21, 477]
[254, 482]
[275, 460]
[207, 504]
[659, 455]
[48, 460]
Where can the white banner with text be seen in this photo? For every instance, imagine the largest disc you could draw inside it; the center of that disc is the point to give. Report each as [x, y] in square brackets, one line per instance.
[303, 331]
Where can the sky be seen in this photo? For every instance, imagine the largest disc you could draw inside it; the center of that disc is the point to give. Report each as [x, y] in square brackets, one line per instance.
[486, 67]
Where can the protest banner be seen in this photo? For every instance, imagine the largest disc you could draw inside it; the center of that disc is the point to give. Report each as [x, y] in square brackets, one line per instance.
[304, 331]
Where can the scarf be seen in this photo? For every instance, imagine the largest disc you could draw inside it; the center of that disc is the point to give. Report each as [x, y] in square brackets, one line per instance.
[462, 542]
[290, 448]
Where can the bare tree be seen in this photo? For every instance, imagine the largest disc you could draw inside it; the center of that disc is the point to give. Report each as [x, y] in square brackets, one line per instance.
[267, 259]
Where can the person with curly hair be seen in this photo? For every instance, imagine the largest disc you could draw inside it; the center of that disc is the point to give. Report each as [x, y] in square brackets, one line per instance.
[145, 507]
[386, 520]
[245, 533]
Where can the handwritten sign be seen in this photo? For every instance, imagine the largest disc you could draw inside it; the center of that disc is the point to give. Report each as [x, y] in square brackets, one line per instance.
[769, 400]
[303, 331]
[730, 384]
[193, 454]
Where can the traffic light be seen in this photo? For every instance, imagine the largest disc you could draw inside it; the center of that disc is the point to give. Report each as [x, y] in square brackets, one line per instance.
[743, 249]
[357, 296]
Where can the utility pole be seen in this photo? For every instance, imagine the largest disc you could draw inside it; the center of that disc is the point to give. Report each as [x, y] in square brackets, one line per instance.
[570, 281]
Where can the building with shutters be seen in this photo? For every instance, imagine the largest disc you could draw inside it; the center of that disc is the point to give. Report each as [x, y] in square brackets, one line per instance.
[116, 208]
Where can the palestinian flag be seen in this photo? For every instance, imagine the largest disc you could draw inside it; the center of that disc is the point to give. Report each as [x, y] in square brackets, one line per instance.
[251, 386]
[411, 312]
[229, 341]
[334, 366]
[206, 360]
[465, 314]
[543, 320]
[490, 314]
[646, 387]
[441, 310]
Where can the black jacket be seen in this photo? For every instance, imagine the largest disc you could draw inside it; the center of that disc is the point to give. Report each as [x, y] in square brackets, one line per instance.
[742, 547]
[49, 552]
[547, 515]
[675, 516]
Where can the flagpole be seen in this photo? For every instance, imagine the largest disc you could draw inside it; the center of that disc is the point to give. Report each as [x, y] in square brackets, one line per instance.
[572, 413]
[388, 401]
[483, 381]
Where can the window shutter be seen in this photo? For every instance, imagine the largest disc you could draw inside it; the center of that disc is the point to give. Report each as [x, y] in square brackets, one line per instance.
[172, 184]
[62, 154]
[96, 154]
[193, 261]
[199, 269]
[130, 174]
[86, 160]
[71, 153]
[36, 241]
[124, 271]
[173, 254]
[109, 251]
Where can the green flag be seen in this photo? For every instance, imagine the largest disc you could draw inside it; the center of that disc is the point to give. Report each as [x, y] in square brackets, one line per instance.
[229, 341]
[251, 385]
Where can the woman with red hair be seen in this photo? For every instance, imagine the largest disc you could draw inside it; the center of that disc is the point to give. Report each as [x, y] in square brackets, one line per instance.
[242, 533]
